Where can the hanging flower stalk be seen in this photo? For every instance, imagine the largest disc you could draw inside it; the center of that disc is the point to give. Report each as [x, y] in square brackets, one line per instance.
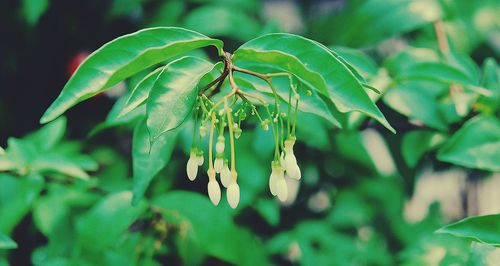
[225, 116]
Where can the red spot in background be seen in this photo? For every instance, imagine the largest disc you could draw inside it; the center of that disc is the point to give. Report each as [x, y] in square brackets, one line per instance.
[75, 61]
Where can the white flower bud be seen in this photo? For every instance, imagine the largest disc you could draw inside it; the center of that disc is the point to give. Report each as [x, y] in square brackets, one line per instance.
[214, 191]
[225, 175]
[218, 164]
[203, 130]
[233, 194]
[277, 172]
[192, 167]
[220, 145]
[291, 166]
[200, 159]
[272, 184]
[282, 189]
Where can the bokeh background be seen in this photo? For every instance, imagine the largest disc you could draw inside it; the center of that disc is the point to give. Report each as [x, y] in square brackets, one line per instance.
[368, 197]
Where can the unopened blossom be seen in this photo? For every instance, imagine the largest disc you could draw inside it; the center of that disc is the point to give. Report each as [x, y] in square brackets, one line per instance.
[281, 189]
[225, 175]
[219, 163]
[203, 130]
[200, 159]
[233, 194]
[220, 145]
[192, 166]
[277, 173]
[291, 166]
[213, 187]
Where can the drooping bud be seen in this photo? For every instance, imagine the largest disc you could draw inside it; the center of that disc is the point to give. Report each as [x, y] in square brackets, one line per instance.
[265, 124]
[214, 191]
[192, 166]
[219, 163]
[281, 189]
[236, 130]
[203, 130]
[233, 194]
[199, 158]
[291, 166]
[225, 175]
[219, 146]
[277, 173]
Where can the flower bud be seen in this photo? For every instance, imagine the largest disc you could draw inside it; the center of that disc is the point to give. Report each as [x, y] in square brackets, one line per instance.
[281, 189]
[291, 166]
[203, 130]
[233, 194]
[192, 166]
[214, 191]
[199, 158]
[277, 173]
[219, 146]
[225, 175]
[219, 163]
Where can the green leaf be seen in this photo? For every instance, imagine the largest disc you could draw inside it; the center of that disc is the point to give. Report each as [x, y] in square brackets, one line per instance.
[34, 9]
[149, 160]
[316, 66]
[483, 229]
[229, 22]
[6, 242]
[213, 228]
[367, 22]
[141, 91]
[416, 143]
[107, 221]
[418, 101]
[16, 198]
[122, 58]
[48, 136]
[475, 145]
[174, 94]
[54, 162]
[436, 71]
[362, 62]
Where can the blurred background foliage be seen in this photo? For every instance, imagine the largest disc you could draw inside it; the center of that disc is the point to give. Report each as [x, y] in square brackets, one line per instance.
[367, 197]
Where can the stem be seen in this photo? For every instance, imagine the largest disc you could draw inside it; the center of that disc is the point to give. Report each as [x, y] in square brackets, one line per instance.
[441, 37]
[231, 138]
[210, 143]
[193, 144]
[295, 117]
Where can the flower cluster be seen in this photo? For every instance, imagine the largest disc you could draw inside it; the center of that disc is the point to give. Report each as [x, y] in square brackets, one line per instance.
[219, 116]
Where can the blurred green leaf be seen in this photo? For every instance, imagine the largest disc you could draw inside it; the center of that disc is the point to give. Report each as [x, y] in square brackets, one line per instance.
[213, 228]
[106, 222]
[174, 94]
[6, 242]
[418, 101]
[221, 20]
[483, 229]
[49, 135]
[365, 23]
[475, 145]
[33, 10]
[16, 198]
[122, 58]
[320, 70]
[149, 160]
[416, 143]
